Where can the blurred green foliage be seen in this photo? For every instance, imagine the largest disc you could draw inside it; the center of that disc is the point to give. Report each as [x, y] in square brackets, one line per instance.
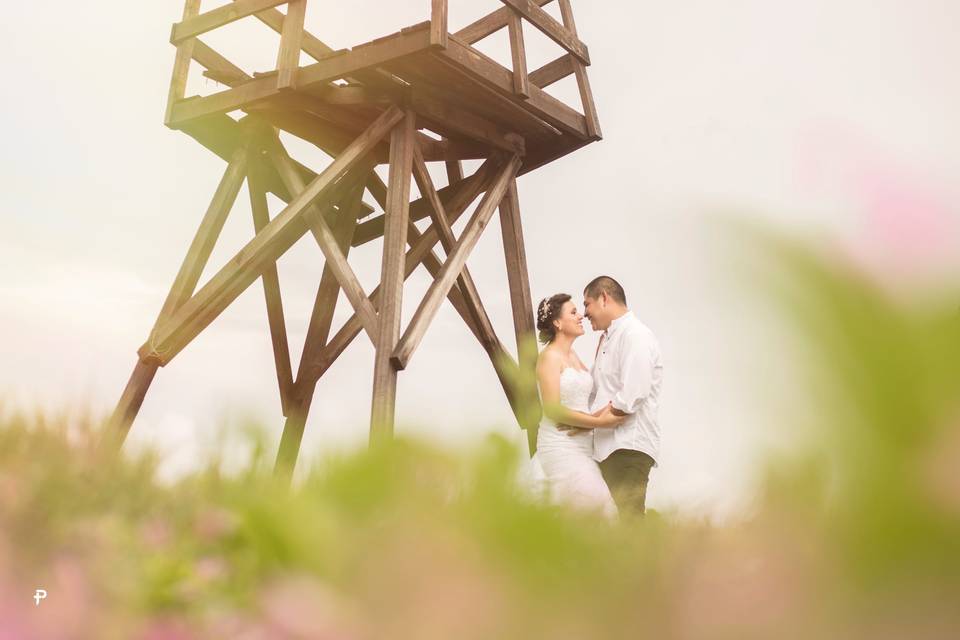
[856, 535]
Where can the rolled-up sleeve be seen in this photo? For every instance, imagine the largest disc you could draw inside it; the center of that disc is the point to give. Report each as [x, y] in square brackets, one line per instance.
[636, 373]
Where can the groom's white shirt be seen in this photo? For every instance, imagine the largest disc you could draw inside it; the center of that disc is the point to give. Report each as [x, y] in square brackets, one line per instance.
[627, 372]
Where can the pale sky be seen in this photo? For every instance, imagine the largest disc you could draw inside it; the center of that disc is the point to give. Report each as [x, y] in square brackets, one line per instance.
[803, 116]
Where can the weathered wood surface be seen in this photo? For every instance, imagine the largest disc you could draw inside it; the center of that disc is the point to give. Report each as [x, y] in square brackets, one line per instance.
[265, 248]
[181, 65]
[327, 240]
[547, 25]
[453, 266]
[518, 55]
[271, 292]
[553, 71]
[197, 25]
[489, 24]
[291, 41]
[185, 282]
[402, 144]
[583, 81]
[456, 204]
[317, 334]
[438, 22]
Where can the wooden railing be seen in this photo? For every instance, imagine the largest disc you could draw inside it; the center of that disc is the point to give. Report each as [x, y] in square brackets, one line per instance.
[294, 38]
[574, 61]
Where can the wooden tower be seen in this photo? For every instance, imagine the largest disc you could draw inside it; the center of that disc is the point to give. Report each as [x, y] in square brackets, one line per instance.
[365, 106]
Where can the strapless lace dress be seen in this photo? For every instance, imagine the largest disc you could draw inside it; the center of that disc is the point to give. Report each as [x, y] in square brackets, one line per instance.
[573, 476]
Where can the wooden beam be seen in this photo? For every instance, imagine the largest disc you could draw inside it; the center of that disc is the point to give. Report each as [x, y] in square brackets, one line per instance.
[526, 400]
[546, 24]
[195, 25]
[325, 302]
[553, 71]
[453, 266]
[492, 74]
[291, 41]
[206, 237]
[392, 277]
[435, 76]
[318, 332]
[274, 19]
[464, 280]
[420, 248]
[327, 240]
[218, 67]
[265, 248]
[330, 68]
[438, 23]
[583, 81]
[490, 23]
[518, 53]
[441, 115]
[419, 209]
[181, 65]
[271, 293]
[454, 171]
[128, 406]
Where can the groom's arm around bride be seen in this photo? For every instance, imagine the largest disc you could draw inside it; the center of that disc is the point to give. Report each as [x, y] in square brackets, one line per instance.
[627, 375]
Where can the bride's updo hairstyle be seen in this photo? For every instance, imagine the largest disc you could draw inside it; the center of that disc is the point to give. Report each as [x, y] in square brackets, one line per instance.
[547, 311]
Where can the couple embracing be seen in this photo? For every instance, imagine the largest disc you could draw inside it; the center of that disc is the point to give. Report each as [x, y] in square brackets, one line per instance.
[600, 436]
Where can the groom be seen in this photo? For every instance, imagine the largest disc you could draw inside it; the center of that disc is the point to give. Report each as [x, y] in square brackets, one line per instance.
[627, 374]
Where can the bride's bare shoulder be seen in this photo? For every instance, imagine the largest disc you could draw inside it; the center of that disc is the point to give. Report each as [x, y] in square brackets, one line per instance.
[549, 358]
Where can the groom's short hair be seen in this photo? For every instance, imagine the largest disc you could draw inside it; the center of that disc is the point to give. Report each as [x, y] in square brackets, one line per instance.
[605, 284]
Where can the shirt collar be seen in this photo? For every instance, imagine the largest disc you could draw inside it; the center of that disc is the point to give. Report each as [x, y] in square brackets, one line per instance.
[617, 324]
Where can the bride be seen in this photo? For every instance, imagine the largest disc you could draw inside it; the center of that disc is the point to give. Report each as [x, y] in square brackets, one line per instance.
[565, 386]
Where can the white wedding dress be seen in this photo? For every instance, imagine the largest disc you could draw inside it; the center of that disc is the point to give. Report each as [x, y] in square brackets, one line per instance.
[572, 475]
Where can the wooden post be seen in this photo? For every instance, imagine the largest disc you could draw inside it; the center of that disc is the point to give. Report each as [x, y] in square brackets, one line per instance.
[271, 293]
[129, 405]
[268, 245]
[453, 266]
[291, 40]
[583, 82]
[181, 64]
[518, 52]
[183, 287]
[318, 331]
[522, 306]
[392, 277]
[420, 249]
[438, 23]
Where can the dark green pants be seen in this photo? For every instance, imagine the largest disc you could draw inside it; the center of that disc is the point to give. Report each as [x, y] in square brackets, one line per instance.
[627, 473]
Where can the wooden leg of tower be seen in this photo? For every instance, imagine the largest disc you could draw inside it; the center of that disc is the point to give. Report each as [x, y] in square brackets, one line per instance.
[392, 275]
[129, 405]
[183, 287]
[317, 333]
[522, 305]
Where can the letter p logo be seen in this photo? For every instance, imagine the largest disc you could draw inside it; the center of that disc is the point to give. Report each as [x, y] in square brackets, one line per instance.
[39, 595]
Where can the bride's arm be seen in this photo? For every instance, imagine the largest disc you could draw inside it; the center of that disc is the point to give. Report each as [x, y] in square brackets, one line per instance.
[549, 368]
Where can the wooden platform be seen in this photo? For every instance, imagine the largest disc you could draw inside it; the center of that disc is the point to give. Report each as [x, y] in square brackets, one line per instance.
[468, 99]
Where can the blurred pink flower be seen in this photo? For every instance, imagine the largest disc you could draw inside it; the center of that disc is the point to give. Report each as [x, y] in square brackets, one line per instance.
[908, 224]
[301, 606]
[168, 629]
[214, 523]
[156, 533]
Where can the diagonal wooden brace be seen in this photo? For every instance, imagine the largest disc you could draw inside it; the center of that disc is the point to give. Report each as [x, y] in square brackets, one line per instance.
[325, 237]
[268, 245]
[420, 248]
[453, 266]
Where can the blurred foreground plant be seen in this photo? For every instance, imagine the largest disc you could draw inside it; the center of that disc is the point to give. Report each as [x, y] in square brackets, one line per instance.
[856, 536]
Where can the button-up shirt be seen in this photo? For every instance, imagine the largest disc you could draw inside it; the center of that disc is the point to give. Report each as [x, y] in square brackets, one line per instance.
[627, 372]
